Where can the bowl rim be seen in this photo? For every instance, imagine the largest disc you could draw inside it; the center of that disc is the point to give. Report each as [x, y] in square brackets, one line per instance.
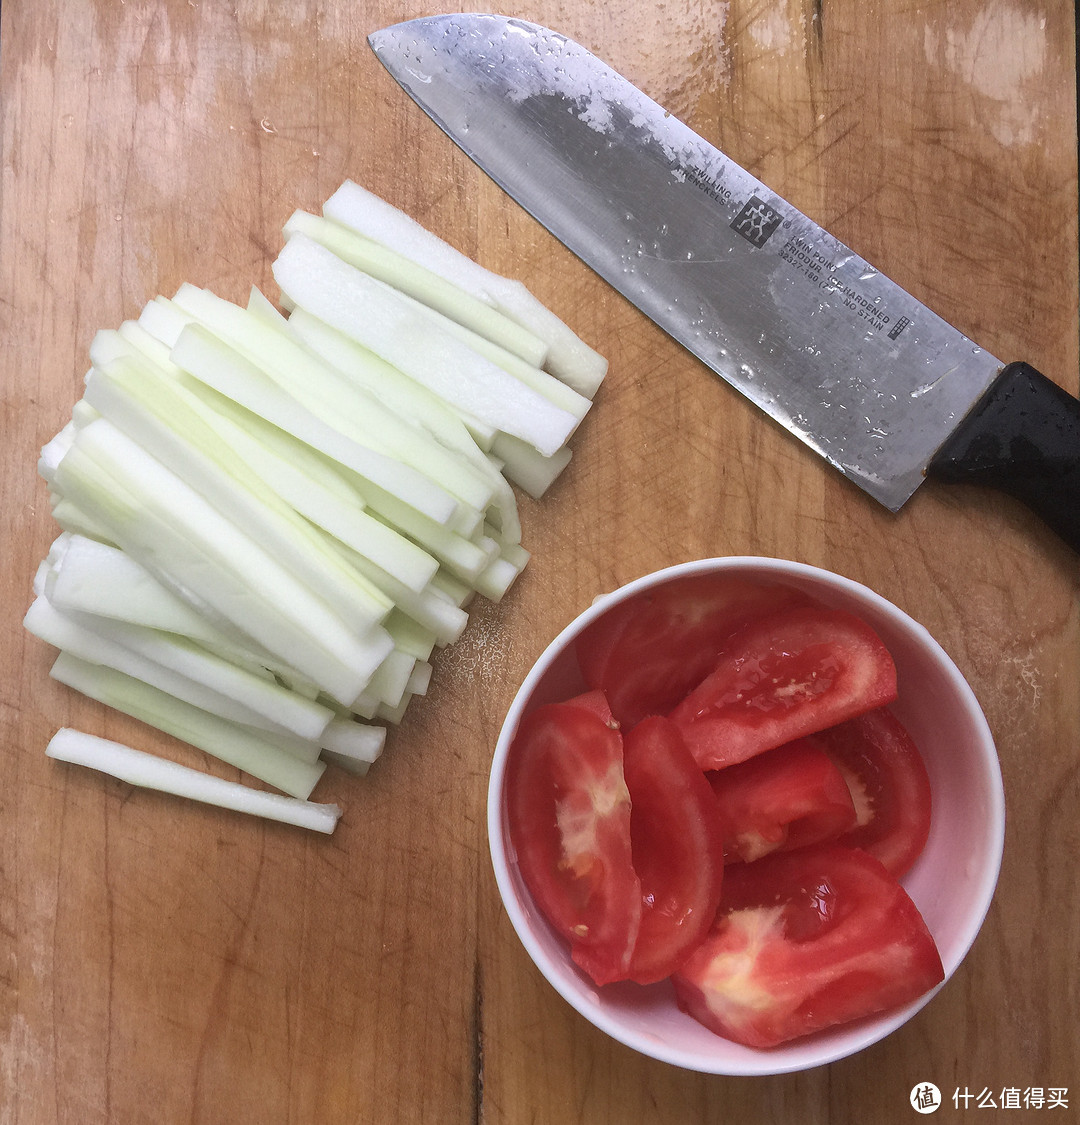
[800, 1055]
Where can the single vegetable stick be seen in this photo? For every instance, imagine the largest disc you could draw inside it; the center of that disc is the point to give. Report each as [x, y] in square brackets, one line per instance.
[527, 468]
[136, 767]
[350, 739]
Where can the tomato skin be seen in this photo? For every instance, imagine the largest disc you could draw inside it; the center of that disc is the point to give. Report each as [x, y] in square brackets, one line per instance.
[568, 813]
[596, 645]
[648, 651]
[675, 831]
[596, 702]
[781, 799]
[888, 779]
[806, 940]
[784, 677]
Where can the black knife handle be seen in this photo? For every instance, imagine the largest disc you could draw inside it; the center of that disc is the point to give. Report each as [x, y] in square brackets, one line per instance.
[1022, 438]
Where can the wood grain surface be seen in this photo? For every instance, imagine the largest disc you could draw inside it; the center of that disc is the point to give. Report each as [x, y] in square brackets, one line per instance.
[162, 962]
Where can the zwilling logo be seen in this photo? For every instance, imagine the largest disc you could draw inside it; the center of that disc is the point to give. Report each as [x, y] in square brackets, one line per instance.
[756, 221]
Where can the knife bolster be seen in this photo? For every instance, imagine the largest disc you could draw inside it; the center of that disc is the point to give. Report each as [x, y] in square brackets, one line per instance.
[1022, 438]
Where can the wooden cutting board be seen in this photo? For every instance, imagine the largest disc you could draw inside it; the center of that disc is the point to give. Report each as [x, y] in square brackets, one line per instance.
[162, 962]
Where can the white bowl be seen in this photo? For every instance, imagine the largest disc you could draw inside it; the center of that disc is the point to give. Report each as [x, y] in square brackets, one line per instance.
[952, 882]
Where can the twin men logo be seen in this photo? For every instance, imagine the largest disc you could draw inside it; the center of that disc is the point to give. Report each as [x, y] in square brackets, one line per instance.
[756, 221]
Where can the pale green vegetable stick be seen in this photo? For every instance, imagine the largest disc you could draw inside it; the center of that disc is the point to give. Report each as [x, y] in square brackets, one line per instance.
[150, 772]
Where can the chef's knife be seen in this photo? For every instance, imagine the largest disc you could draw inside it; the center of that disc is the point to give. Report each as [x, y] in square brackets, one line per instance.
[867, 376]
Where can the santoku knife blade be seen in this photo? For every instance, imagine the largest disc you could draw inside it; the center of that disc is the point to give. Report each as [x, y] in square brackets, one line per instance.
[866, 375]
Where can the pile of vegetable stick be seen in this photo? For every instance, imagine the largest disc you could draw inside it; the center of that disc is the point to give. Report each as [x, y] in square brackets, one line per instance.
[271, 520]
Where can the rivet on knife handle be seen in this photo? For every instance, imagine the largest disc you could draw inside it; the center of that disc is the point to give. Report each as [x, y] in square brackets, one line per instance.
[1022, 438]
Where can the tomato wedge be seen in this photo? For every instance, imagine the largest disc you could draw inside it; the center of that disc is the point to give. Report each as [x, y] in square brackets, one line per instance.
[568, 813]
[806, 940]
[889, 784]
[784, 677]
[781, 799]
[596, 702]
[678, 847]
[649, 651]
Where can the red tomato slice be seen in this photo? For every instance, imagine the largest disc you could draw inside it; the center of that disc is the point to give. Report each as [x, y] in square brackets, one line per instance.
[596, 644]
[780, 800]
[596, 702]
[649, 651]
[889, 785]
[568, 811]
[678, 847]
[806, 940]
[784, 677]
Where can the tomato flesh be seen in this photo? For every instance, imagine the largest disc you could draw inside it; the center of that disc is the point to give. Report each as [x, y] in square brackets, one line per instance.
[650, 650]
[805, 940]
[568, 812]
[889, 784]
[677, 843]
[781, 799]
[784, 677]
